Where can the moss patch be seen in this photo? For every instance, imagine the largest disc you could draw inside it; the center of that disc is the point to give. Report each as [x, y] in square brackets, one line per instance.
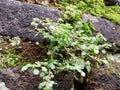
[97, 8]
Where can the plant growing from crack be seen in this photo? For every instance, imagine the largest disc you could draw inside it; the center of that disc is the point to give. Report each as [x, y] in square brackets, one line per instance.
[72, 47]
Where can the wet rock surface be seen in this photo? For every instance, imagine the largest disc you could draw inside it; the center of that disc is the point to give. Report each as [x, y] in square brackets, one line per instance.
[15, 18]
[110, 31]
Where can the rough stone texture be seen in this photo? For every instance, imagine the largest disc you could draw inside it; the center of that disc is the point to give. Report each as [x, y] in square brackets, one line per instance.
[112, 2]
[19, 81]
[110, 82]
[15, 18]
[15, 80]
[100, 80]
[65, 81]
[110, 30]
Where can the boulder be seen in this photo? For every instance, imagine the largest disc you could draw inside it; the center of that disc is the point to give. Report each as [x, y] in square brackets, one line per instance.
[110, 31]
[112, 2]
[15, 18]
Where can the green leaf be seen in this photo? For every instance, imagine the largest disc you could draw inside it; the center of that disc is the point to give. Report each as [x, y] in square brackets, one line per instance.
[83, 53]
[88, 66]
[41, 85]
[44, 69]
[49, 52]
[36, 19]
[103, 51]
[52, 66]
[83, 47]
[34, 24]
[51, 84]
[36, 72]
[83, 74]
[24, 68]
[96, 51]
[52, 27]
[42, 74]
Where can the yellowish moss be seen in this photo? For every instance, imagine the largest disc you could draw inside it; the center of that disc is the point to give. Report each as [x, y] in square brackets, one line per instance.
[97, 8]
[113, 17]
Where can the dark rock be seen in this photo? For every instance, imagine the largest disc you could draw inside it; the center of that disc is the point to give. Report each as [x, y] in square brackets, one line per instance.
[110, 82]
[104, 78]
[110, 30]
[15, 80]
[65, 81]
[15, 18]
[112, 2]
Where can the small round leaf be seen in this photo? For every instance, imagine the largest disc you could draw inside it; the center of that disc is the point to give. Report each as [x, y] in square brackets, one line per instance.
[36, 71]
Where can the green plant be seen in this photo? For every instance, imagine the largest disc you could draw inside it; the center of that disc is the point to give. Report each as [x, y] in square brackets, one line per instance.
[10, 59]
[72, 47]
[98, 8]
[94, 7]
[8, 55]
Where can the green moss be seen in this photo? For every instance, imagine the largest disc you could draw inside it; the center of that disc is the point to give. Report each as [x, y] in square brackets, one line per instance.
[98, 8]
[113, 17]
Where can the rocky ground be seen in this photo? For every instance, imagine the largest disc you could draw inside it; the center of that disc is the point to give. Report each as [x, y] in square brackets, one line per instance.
[104, 79]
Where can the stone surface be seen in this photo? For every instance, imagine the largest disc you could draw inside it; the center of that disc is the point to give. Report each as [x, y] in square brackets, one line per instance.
[15, 18]
[110, 30]
[16, 80]
[112, 2]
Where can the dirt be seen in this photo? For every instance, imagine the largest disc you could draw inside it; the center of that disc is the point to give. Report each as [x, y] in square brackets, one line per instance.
[31, 51]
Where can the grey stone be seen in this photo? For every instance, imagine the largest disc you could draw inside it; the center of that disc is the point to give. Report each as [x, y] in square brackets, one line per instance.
[110, 31]
[15, 18]
[112, 2]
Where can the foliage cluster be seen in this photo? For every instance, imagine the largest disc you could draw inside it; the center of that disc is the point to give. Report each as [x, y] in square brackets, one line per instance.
[72, 47]
[97, 8]
[8, 55]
